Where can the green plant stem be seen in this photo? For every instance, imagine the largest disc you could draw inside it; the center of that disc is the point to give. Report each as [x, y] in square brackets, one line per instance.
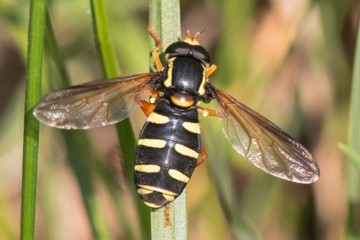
[31, 125]
[124, 128]
[80, 153]
[350, 153]
[165, 17]
[353, 173]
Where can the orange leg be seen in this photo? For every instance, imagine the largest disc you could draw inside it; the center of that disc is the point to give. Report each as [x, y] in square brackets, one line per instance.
[205, 112]
[146, 107]
[167, 215]
[202, 156]
[154, 96]
[157, 48]
[210, 70]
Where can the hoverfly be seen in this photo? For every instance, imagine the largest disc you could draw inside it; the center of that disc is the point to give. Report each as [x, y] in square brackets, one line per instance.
[169, 146]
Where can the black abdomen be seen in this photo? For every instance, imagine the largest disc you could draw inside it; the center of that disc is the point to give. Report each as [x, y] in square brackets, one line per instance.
[167, 152]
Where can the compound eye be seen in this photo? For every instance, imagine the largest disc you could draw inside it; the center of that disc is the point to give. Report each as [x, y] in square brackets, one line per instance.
[182, 100]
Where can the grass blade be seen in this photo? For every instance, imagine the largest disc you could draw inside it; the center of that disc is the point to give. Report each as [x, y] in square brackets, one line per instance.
[82, 165]
[350, 153]
[31, 125]
[124, 128]
[165, 17]
[80, 151]
[353, 174]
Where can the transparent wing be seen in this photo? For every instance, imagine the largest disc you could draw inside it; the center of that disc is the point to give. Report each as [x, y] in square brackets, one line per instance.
[264, 144]
[93, 104]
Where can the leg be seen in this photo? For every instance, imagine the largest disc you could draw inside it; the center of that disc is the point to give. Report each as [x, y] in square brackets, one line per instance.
[205, 112]
[153, 97]
[167, 215]
[202, 156]
[157, 48]
[146, 107]
[210, 70]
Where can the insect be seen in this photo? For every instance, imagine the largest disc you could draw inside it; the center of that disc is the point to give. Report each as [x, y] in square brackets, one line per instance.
[169, 146]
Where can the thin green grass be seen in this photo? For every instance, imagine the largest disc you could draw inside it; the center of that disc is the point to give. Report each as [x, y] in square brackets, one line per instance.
[353, 173]
[351, 154]
[165, 17]
[124, 128]
[80, 153]
[81, 164]
[31, 125]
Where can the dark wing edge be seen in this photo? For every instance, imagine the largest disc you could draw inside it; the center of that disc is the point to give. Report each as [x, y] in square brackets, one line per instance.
[264, 144]
[92, 104]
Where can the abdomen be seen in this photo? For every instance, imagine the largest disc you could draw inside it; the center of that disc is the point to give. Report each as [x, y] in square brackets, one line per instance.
[166, 155]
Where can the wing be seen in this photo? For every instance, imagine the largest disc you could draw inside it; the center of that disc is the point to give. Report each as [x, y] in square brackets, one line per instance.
[264, 144]
[93, 104]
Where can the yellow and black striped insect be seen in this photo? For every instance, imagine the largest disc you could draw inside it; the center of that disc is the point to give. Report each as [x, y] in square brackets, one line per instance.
[169, 146]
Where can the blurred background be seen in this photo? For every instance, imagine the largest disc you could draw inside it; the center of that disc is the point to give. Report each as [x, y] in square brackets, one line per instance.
[291, 61]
